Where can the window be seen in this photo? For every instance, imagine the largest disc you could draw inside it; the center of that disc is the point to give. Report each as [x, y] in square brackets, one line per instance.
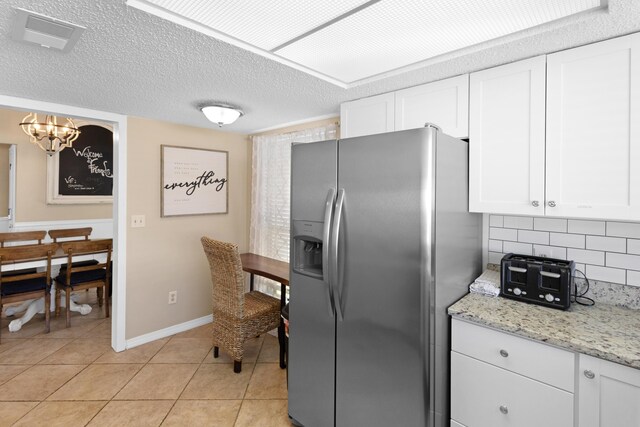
[270, 199]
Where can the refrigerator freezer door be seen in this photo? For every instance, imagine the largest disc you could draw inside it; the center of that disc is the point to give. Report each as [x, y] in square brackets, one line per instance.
[312, 326]
[382, 343]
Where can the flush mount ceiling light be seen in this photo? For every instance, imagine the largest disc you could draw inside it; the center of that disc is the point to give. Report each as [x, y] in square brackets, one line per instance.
[47, 134]
[221, 114]
[351, 42]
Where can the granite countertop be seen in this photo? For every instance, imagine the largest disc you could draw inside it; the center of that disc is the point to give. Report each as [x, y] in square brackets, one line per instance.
[605, 331]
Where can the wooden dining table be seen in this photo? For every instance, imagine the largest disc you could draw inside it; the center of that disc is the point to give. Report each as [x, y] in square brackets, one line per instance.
[275, 270]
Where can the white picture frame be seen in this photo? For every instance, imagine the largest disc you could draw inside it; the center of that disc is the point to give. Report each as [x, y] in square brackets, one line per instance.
[194, 181]
[54, 196]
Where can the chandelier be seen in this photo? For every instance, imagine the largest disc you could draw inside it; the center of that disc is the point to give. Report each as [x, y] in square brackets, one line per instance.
[50, 136]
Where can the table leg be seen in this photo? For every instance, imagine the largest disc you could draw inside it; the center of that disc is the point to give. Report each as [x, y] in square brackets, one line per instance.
[281, 334]
[251, 282]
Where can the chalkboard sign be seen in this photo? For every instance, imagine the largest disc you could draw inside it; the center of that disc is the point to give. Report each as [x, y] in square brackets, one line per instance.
[84, 172]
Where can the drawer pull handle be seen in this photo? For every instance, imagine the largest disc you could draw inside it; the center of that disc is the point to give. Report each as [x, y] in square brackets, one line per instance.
[551, 204]
[517, 269]
[548, 274]
[504, 409]
[504, 353]
[535, 204]
[589, 374]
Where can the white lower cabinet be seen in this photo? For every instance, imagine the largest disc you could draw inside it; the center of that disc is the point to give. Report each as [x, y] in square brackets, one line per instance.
[609, 394]
[487, 396]
[493, 385]
[501, 380]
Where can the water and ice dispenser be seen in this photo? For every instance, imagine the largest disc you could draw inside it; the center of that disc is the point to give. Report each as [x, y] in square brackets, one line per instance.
[307, 248]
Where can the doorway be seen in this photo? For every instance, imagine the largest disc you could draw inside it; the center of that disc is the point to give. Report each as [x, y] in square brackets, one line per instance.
[119, 124]
[7, 185]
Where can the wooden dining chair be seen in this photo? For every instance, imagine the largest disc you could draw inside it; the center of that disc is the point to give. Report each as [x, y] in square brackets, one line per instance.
[22, 237]
[27, 284]
[78, 277]
[237, 316]
[70, 233]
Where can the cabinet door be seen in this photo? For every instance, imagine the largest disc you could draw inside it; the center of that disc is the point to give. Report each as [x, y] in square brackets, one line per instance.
[483, 395]
[506, 138]
[593, 130]
[609, 394]
[367, 116]
[444, 103]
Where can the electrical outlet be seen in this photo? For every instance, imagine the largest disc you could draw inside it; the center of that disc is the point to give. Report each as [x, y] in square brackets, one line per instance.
[137, 221]
[173, 297]
[541, 253]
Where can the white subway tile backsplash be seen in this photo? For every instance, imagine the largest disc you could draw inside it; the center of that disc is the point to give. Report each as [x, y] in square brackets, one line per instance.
[633, 278]
[586, 257]
[495, 245]
[586, 227]
[612, 275]
[631, 262]
[539, 237]
[518, 248]
[623, 229]
[521, 222]
[609, 244]
[495, 257]
[503, 234]
[496, 221]
[550, 251]
[567, 240]
[633, 246]
[606, 251]
[550, 224]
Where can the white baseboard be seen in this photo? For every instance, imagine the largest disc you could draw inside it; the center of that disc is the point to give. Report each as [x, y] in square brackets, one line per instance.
[167, 332]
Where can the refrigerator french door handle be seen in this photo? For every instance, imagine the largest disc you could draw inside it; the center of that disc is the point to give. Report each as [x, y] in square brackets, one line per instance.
[335, 234]
[326, 235]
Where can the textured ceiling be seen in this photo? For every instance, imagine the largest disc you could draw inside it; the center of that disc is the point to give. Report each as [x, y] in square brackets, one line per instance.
[133, 63]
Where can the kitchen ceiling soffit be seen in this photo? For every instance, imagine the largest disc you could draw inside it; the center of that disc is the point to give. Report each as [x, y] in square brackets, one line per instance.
[350, 42]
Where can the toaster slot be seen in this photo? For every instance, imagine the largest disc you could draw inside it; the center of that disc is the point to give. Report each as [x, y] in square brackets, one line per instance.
[517, 274]
[550, 280]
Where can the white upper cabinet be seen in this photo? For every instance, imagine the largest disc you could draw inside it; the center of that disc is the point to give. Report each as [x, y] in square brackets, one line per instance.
[367, 116]
[443, 103]
[507, 138]
[593, 130]
[609, 394]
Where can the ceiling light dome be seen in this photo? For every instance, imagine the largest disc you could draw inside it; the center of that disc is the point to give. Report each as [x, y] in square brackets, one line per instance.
[222, 114]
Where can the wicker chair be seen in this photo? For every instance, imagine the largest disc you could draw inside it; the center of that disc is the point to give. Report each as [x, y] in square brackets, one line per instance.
[237, 315]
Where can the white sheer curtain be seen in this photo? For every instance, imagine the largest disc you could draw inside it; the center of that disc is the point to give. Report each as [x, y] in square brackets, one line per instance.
[271, 185]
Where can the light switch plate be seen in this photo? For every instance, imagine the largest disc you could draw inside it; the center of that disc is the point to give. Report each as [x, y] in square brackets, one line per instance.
[137, 221]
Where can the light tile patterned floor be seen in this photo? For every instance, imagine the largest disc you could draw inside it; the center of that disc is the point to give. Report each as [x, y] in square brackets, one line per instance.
[72, 377]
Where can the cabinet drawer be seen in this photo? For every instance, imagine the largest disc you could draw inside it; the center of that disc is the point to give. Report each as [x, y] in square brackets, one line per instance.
[534, 360]
[483, 395]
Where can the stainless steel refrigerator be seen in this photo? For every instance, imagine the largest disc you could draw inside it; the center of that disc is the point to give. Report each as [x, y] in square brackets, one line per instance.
[381, 244]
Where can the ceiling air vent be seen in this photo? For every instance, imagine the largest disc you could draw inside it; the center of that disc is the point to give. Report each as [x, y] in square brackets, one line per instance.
[45, 31]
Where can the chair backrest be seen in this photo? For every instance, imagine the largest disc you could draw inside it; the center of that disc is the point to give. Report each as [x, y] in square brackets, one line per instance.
[82, 233]
[27, 253]
[82, 247]
[22, 236]
[227, 277]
